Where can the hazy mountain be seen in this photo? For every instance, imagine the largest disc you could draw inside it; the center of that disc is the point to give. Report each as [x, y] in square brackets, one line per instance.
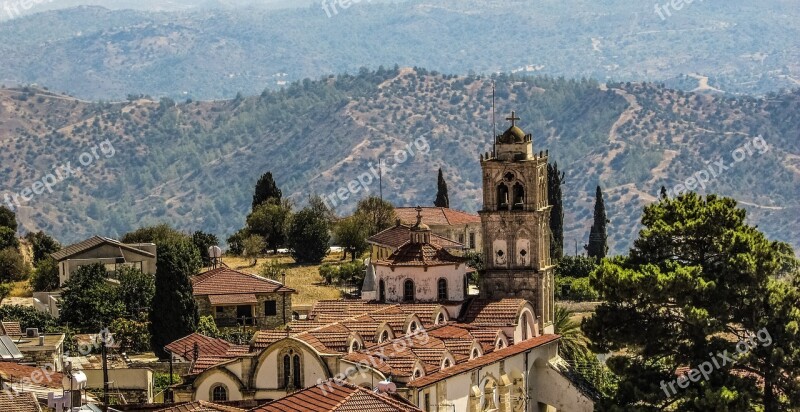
[194, 164]
[215, 52]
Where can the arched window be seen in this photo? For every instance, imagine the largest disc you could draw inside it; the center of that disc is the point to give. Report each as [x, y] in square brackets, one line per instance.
[384, 336]
[287, 370]
[502, 196]
[408, 291]
[475, 353]
[296, 372]
[417, 373]
[440, 318]
[382, 291]
[219, 394]
[519, 197]
[441, 287]
[446, 364]
[354, 346]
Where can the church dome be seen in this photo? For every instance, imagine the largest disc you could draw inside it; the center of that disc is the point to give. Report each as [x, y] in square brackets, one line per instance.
[513, 135]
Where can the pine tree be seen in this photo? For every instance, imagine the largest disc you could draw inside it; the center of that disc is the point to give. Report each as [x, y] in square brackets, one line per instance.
[442, 198]
[173, 313]
[266, 189]
[598, 238]
[554, 180]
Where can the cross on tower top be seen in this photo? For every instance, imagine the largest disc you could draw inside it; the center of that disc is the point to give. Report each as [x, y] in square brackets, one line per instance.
[513, 119]
[419, 215]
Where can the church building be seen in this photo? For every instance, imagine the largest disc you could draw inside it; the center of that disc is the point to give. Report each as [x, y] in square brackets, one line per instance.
[417, 334]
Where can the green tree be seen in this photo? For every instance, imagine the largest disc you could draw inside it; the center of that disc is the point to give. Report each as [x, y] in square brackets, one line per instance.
[268, 220]
[575, 267]
[207, 326]
[8, 218]
[309, 235]
[598, 238]
[157, 234]
[89, 302]
[273, 269]
[28, 317]
[42, 245]
[555, 179]
[203, 241]
[133, 336]
[698, 281]
[136, 291]
[45, 276]
[378, 214]
[173, 313]
[442, 198]
[236, 242]
[5, 290]
[8, 239]
[351, 234]
[253, 247]
[265, 190]
[13, 267]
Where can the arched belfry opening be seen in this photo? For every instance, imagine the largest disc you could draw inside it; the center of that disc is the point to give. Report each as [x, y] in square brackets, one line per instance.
[519, 197]
[502, 196]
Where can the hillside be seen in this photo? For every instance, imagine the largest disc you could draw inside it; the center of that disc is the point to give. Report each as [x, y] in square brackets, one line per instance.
[212, 53]
[194, 164]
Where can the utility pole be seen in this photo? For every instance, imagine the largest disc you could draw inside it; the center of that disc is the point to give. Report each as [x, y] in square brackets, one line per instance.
[380, 177]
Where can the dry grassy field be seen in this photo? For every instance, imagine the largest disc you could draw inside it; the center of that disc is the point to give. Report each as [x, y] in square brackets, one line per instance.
[305, 279]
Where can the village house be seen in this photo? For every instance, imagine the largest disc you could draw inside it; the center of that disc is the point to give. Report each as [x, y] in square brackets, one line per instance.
[236, 298]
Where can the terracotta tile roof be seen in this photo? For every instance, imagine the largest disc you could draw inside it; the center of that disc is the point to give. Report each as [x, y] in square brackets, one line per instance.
[11, 401]
[344, 308]
[420, 254]
[212, 351]
[437, 216]
[11, 328]
[200, 406]
[493, 313]
[13, 372]
[397, 236]
[484, 360]
[264, 338]
[226, 281]
[336, 398]
[238, 299]
[92, 243]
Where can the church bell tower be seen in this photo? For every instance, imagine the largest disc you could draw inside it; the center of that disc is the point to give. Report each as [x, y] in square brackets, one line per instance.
[516, 224]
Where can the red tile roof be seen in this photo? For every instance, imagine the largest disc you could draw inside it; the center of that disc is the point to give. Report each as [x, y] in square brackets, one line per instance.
[335, 397]
[484, 360]
[238, 299]
[397, 236]
[437, 216]
[200, 406]
[226, 281]
[503, 312]
[420, 254]
[11, 328]
[11, 401]
[13, 372]
[212, 351]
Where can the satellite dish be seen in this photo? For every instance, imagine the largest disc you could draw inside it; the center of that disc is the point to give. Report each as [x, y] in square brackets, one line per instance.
[214, 252]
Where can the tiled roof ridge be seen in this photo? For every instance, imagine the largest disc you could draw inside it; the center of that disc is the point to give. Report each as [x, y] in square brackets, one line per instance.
[73, 249]
[204, 277]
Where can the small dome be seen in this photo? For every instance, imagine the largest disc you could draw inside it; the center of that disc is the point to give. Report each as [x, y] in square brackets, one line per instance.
[513, 135]
[420, 227]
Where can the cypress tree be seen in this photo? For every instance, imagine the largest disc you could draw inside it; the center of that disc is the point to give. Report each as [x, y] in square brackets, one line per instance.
[442, 198]
[554, 180]
[266, 189]
[173, 313]
[598, 239]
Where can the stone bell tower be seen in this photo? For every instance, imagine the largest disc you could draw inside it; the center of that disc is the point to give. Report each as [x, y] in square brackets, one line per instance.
[516, 224]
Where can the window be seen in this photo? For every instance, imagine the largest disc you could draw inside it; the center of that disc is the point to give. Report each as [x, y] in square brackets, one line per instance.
[270, 308]
[287, 370]
[384, 336]
[220, 309]
[440, 319]
[446, 364]
[296, 372]
[427, 402]
[502, 196]
[519, 196]
[382, 291]
[461, 238]
[219, 394]
[441, 287]
[472, 240]
[408, 290]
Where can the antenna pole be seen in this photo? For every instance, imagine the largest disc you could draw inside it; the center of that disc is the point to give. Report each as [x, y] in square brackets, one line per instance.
[380, 177]
[494, 124]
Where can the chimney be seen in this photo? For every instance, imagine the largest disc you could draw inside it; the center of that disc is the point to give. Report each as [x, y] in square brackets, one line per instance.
[41, 340]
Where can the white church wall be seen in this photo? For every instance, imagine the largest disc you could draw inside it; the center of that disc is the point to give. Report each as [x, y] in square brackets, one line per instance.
[425, 281]
[213, 378]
